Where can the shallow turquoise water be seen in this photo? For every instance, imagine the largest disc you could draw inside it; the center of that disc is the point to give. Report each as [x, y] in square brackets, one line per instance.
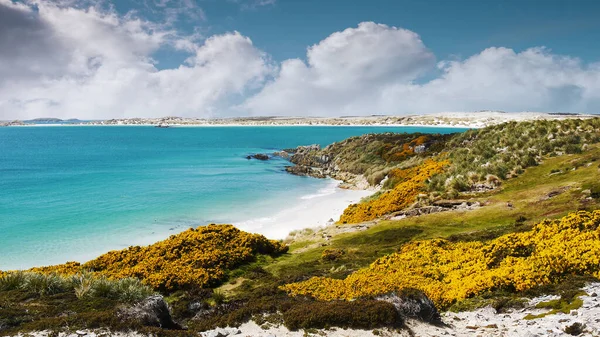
[72, 193]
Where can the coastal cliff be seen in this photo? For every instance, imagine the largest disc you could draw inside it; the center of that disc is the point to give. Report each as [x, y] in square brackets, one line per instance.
[363, 162]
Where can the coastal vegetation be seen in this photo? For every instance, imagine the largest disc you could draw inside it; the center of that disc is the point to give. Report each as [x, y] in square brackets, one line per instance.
[372, 156]
[407, 184]
[83, 285]
[448, 272]
[476, 161]
[481, 157]
[197, 258]
[536, 232]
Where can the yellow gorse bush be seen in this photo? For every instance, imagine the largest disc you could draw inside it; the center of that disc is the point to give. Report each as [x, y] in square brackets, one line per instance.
[411, 182]
[448, 272]
[197, 257]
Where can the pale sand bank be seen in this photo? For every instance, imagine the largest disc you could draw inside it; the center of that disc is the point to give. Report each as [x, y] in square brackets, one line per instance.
[308, 211]
[477, 119]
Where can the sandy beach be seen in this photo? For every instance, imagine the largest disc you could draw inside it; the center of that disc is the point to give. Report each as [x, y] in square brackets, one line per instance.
[309, 211]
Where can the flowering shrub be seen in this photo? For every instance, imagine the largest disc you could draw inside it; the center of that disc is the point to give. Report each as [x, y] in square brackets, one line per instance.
[197, 257]
[69, 268]
[448, 272]
[409, 183]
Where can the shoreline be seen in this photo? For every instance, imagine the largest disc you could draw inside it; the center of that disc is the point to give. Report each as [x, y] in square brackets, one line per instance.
[471, 120]
[309, 211]
[447, 126]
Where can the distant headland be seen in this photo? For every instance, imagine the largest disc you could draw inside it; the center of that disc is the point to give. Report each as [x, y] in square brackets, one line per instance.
[477, 119]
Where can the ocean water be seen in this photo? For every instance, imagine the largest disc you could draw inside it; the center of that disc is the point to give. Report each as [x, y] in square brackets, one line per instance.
[70, 193]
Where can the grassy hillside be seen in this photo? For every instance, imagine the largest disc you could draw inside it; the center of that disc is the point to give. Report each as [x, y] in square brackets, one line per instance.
[220, 276]
[548, 191]
[505, 150]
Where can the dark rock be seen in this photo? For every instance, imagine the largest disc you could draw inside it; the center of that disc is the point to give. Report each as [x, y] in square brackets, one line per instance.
[196, 306]
[553, 194]
[575, 329]
[419, 211]
[259, 156]
[482, 187]
[302, 170]
[152, 311]
[448, 203]
[413, 303]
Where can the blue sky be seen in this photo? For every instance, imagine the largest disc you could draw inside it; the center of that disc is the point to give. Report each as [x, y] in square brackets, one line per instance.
[215, 58]
[449, 28]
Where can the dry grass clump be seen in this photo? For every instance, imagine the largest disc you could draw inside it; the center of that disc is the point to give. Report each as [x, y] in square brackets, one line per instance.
[84, 285]
[505, 150]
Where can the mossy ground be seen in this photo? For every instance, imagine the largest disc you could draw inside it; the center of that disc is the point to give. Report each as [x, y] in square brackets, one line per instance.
[557, 186]
[565, 304]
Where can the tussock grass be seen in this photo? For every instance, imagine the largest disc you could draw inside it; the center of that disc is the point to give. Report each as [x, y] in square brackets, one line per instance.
[81, 285]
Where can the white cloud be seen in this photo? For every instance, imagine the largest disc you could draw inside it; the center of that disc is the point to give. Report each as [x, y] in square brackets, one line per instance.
[87, 61]
[372, 70]
[344, 73]
[93, 63]
[501, 79]
[253, 4]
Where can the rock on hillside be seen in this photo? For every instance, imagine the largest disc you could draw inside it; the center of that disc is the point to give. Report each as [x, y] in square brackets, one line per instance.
[153, 311]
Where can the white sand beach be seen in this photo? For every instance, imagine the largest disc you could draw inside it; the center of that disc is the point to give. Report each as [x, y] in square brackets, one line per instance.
[315, 210]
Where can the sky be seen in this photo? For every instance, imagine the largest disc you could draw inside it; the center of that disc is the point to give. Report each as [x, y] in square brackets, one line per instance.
[98, 59]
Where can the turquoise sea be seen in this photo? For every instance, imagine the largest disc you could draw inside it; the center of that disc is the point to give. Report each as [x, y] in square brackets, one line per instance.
[73, 192]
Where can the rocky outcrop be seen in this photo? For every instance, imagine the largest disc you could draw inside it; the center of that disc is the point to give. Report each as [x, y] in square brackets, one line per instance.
[315, 162]
[282, 154]
[307, 162]
[437, 207]
[152, 311]
[412, 303]
[259, 156]
[362, 162]
[302, 170]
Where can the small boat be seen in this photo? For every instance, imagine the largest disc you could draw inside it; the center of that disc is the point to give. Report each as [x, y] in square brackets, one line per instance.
[164, 126]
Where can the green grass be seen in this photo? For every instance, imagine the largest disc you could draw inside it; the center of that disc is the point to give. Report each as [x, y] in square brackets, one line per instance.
[527, 195]
[561, 305]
